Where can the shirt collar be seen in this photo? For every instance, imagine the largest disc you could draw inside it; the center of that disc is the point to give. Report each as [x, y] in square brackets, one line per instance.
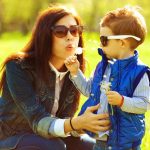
[61, 75]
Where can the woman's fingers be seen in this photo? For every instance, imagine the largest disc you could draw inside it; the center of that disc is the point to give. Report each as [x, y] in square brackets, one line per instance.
[103, 122]
[102, 116]
[96, 122]
[97, 129]
[96, 125]
[103, 128]
[93, 108]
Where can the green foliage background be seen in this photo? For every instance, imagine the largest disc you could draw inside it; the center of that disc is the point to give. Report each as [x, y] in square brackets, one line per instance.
[21, 14]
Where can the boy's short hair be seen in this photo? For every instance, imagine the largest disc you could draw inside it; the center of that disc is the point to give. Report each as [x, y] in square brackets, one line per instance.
[126, 21]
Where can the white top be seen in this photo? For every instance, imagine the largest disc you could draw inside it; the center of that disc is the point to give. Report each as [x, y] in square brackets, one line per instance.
[58, 86]
[57, 126]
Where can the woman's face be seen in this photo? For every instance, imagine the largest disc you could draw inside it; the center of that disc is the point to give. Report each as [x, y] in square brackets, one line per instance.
[66, 45]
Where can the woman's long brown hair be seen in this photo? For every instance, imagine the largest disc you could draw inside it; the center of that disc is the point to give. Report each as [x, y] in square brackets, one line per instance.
[38, 49]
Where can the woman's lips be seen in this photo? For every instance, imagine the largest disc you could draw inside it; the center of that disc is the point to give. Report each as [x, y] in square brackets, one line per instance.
[70, 47]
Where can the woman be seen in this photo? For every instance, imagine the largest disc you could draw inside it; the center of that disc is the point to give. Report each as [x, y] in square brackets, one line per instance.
[38, 99]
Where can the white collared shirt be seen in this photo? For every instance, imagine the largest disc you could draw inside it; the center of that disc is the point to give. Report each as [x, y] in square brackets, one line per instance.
[57, 126]
[58, 86]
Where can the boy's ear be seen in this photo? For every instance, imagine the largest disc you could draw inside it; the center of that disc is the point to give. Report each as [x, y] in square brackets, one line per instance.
[122, 42]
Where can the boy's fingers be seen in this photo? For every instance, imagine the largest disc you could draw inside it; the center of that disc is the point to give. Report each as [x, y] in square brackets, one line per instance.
[110, 96]
[109, 92]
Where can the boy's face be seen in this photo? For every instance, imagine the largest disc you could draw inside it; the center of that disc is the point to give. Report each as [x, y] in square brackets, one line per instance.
[113, 48]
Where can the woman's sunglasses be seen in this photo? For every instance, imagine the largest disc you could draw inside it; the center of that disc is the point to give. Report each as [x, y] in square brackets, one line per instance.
[61, 31]
[104, 39]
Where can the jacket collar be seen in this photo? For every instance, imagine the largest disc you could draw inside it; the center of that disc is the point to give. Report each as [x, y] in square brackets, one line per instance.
[121, 63]
[60, 75]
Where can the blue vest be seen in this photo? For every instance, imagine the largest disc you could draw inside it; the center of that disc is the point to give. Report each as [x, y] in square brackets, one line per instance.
[127, 129]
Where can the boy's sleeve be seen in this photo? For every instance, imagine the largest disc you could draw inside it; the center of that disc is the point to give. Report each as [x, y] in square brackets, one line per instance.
[140, 102]
[81, 83]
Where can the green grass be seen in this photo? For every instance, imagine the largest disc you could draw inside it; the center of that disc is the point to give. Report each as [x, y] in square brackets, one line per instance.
[12, 42]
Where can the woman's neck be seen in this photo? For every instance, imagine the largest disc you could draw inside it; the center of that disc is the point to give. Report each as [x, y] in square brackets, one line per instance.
[58, 64]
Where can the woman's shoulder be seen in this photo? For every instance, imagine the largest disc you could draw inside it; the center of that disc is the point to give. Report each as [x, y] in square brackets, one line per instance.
[13, 63]
[20, 68]
[23, 63]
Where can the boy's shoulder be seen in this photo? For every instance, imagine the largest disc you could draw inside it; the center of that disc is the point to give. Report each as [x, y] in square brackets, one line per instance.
[145, 69]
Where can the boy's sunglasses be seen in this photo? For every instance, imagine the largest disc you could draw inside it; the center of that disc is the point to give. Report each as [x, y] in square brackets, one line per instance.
[61, 31]
[104, 39]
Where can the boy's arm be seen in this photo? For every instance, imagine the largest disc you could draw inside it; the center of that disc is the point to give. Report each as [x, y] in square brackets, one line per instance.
[81, 83]
[140, 102]
[77, 77]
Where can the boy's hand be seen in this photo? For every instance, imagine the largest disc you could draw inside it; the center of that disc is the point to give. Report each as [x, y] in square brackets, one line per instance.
[72, 65]
[114, 98]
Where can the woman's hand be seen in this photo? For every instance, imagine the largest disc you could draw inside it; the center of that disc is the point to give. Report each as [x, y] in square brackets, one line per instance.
[72, 65]
[92, 122]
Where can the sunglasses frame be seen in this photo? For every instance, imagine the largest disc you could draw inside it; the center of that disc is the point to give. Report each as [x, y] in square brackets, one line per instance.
[65, 30]
[104, 39]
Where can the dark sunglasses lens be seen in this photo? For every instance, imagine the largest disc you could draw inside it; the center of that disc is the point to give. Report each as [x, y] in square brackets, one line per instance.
[103, 40]
[80, 28]
[60, 31]
[76, 30]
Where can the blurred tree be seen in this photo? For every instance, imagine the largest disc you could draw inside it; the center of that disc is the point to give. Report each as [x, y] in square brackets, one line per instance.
[21, 14]
[1, 16]
[92, 11]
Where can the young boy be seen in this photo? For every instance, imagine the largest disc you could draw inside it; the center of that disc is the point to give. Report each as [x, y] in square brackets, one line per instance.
[120, 82]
